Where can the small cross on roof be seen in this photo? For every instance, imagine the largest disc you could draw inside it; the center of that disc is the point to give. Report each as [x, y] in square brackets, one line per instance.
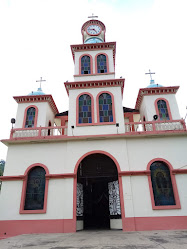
[150, 74]
[92, 16]
[40, 81]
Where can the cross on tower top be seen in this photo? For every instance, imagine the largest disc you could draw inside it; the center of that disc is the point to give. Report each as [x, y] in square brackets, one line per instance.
[150, 74]
[40, 81]
[92, 16]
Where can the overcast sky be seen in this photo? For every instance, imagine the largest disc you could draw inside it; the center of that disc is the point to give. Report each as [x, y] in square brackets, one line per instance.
[36, 36]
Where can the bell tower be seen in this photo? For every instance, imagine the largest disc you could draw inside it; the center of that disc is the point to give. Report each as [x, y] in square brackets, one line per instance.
[95, 96]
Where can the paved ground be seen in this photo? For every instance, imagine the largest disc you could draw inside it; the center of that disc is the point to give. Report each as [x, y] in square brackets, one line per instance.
[99, 240]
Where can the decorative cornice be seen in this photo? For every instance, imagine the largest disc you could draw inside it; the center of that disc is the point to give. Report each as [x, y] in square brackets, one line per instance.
[94, 46]
[94, 84]
[37, 98]
[154, 91]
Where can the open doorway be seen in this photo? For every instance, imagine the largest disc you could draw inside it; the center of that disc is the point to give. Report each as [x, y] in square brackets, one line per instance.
[97, 192]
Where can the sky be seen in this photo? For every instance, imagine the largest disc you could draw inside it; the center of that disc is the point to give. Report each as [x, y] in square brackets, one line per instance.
[36, 36]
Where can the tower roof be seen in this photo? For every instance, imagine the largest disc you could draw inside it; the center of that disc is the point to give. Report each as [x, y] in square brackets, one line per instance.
[38, 92]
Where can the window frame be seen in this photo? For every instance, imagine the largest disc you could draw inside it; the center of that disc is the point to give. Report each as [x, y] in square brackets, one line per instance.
[113, 109]
[77, 109]
[24, 189]
[91, 64]
[173, 182]
[168, 109]
[35, 118]
[107, 63]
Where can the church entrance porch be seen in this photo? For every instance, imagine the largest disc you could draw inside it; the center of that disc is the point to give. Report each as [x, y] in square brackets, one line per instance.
[98, 201]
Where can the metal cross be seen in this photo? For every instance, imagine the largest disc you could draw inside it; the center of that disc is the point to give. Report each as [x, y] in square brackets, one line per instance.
[40, 81]
[92, 16]
[150, 73]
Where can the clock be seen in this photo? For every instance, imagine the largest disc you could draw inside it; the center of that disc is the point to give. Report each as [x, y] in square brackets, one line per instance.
[93, 29]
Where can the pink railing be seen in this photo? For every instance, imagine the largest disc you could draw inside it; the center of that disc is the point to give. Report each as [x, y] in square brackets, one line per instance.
[39, 132]
[155, 126]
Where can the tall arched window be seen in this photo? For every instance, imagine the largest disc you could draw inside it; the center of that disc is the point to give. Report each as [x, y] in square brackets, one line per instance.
[85, 110]
[85, 65]
[101, 63]
[35, 191]
[163, 110]
[30, 117]
[162, 184]
[105, 108]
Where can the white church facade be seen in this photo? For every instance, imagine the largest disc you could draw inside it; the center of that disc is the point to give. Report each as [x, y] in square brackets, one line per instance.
[98, 165]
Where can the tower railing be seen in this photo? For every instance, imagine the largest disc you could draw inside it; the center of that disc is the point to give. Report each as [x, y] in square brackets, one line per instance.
[155, 126]
[38, 132]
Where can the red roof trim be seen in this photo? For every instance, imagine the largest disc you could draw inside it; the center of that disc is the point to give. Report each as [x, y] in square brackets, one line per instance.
[37, 98]
[93, 84]
[94, 46]
[152, 91]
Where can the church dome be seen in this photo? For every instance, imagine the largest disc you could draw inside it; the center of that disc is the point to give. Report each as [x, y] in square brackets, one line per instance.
[38, 92]
[153, 84]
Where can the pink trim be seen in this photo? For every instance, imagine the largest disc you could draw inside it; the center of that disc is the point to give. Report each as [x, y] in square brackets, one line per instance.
[38, 98]
[113, 109]
[77, 109]
[91, 64]
[154, 91]
[48, 176]
[174, 185]
[94, 84]
[9, 228]
[107, 63]
[35, 119]
[168, 108]
[155, 223]
[23, 195]
[119, 179]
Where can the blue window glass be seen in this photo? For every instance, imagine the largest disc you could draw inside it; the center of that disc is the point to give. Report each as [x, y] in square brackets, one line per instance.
[35, 191]
[105, 108]
[30, 117]
[162, 109]
[85, 112]
[101, 64]
[162, 185]
[85, 65]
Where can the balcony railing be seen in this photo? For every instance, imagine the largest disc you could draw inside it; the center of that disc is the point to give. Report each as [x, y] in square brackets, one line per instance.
[155, 126]
[131, 128]
[39, 132]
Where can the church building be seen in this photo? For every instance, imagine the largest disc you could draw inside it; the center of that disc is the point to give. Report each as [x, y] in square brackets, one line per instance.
[98, 165]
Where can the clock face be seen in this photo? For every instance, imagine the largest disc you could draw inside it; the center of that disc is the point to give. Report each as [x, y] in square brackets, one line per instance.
[93, 29]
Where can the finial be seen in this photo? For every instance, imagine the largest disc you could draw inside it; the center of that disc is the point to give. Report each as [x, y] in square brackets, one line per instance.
[40, 89]
[151, 81]
[92, 16]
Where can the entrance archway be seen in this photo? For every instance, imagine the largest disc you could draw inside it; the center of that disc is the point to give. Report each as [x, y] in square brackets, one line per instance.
[98, 198]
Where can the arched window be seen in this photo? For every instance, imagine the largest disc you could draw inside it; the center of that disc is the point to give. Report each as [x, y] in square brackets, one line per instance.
[85, 113]
[163, 110]
[105, 108]
[101, 63]
[162, 184]
[34, 199]
[85, 65]
[30, 117]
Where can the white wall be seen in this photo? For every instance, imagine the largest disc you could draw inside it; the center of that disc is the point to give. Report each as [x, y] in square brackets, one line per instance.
[148, 110]
[97, 129]
[132, 153]
[45, 114]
